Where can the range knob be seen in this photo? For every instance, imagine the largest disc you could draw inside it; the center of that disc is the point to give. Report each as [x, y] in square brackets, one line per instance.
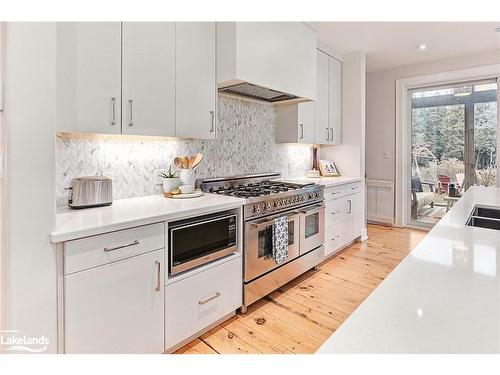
[256, 208]
[267, 206]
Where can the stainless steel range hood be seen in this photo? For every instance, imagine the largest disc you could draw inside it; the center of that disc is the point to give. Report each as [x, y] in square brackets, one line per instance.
[251, 91]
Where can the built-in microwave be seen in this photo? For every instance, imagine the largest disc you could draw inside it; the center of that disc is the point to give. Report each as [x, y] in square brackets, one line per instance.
[194, 242]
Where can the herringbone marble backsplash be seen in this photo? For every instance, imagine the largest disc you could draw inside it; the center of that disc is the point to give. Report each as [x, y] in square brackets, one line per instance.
[245, 144]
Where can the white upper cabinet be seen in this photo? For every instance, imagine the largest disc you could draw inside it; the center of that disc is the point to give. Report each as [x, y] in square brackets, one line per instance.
[334, 99]
[89, 77]
[328, 102]
[322, 101]
[196, 82]
[274, 55]
[295, 123]
[148, 78]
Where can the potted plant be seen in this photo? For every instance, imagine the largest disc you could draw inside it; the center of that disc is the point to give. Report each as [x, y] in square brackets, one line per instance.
[170, 180]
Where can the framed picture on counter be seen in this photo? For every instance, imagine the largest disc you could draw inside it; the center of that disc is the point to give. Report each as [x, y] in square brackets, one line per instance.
[328, 168]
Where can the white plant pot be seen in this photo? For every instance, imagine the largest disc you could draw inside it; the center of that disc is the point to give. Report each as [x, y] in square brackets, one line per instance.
[187, 176]
[170, 184]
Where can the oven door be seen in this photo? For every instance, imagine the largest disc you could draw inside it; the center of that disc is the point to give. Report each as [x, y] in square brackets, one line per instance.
[312, 228]
[259, 244]
[196, 242]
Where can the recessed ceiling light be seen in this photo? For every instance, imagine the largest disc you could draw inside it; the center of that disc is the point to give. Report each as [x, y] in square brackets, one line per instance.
[422, 47]
[497, 29]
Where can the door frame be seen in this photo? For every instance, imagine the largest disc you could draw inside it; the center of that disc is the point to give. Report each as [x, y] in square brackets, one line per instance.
[403, 123]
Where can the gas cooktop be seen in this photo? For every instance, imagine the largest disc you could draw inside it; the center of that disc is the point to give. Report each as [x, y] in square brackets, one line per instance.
[264, 195]
[257, 189]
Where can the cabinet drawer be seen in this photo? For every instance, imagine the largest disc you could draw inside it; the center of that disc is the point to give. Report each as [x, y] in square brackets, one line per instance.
[335, 237]
[335, 192]
[353, 188]
[194, 303]
[335, 209]
[105, 248]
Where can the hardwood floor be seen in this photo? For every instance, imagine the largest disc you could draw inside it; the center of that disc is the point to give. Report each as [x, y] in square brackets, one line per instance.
[301, 315]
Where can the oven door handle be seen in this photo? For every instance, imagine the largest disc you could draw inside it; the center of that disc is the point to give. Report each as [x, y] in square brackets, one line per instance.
[313, 210]
[271, 221]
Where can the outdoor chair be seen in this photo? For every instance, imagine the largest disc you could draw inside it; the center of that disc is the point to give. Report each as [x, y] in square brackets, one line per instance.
[443, 184]
[419, 197]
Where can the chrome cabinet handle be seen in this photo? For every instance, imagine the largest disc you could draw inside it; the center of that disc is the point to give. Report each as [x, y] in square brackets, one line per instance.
[212, 116]
[335, 212]
[301, 131]
[350, 206]
[158, 275]
[113, 111]
[336, 192]
[327, 134]
[216, 295]
[131, 113]
[331, 130]
[107, 249]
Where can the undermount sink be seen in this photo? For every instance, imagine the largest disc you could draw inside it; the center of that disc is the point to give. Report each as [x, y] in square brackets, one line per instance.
[485, 217]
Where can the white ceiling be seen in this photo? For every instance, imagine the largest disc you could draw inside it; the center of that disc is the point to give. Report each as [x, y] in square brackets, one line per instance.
[393, 44]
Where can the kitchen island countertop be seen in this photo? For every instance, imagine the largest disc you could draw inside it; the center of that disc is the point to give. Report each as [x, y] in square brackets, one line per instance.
[444, 297]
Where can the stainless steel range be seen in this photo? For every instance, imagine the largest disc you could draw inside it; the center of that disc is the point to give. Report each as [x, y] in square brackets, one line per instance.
[268, 198]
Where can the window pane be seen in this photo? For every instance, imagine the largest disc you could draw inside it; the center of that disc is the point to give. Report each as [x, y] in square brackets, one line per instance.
[485, 142]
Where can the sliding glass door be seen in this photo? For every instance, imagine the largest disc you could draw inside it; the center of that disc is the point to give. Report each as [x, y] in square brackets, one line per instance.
[453, 145]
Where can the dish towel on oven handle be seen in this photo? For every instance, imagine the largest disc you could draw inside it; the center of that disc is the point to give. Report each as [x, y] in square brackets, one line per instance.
[280, 239]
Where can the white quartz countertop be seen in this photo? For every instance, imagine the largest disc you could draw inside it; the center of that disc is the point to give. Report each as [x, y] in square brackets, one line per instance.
[325, 181]
[126, 213]
[444, 297]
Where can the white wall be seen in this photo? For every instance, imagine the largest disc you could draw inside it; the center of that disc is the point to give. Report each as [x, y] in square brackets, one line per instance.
[29, 118]
[381, 109]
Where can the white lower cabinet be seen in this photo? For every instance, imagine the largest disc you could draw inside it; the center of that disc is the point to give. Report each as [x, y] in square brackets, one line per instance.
[343, 216]
[196, 302]
[354, 215]
[335, 237]
[117, 307]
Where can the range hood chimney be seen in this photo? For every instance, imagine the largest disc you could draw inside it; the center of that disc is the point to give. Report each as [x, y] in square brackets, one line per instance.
[268, 61]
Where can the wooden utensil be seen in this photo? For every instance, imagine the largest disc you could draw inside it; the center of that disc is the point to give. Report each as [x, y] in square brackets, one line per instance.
[178, 162]
[191, 161]
[185, 162]
[197, 160]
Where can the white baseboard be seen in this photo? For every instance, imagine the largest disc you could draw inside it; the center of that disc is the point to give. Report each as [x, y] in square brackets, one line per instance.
[380, 220]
